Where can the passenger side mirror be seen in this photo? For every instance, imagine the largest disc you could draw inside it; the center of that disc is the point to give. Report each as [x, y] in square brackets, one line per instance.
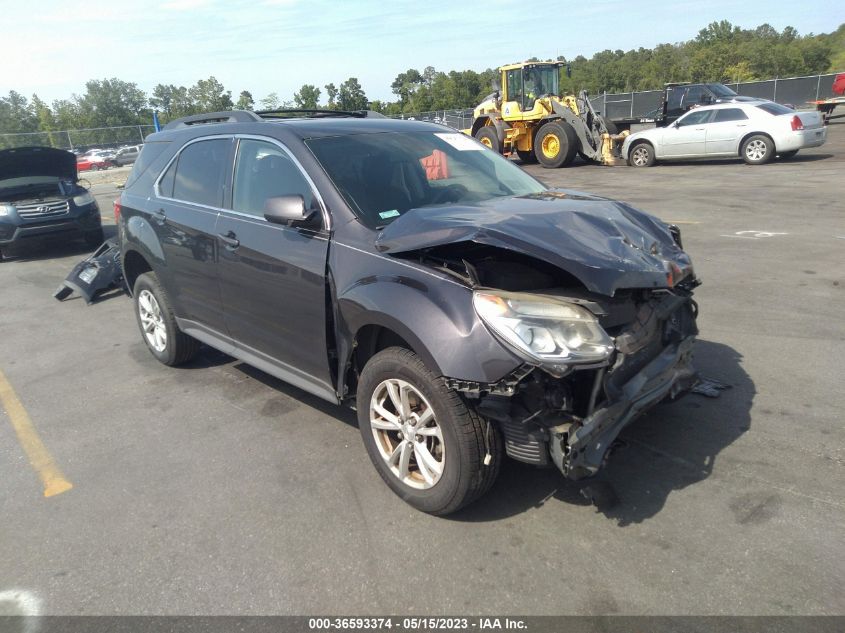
[289, 210]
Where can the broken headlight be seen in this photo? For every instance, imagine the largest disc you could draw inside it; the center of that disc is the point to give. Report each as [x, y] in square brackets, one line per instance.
[83, 199]
[545, 330]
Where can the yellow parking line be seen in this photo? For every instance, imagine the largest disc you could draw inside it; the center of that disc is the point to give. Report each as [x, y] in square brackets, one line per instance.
[52, 478]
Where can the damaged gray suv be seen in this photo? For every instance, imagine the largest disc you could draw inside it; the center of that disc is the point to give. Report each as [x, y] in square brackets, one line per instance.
[465, 310]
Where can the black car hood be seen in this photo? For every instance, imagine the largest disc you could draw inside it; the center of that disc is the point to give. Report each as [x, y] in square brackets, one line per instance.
[37, 161]
[606, 244]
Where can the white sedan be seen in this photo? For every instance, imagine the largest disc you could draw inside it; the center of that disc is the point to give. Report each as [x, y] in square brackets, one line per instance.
[757, 131]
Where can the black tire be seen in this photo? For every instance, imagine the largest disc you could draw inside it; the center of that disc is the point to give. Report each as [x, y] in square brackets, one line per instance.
[526, 156]
[555, 144]
[94, 168]
[488, 136]
[94, 238]
[179, 347]
[466, 437]
[611, 127]
[758, 149]
[641, 155]
[788, 155]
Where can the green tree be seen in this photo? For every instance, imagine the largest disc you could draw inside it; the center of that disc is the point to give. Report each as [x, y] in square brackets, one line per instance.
[331, 93]
[209, 95]
[308, 97]
[43, 115]
[16, 115]
[350, 95]
[270, 102]
[111, 102]
[172, 102]
[406, 85]
[245, 101]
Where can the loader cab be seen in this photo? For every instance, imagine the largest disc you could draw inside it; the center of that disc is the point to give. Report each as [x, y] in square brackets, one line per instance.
[523, 84]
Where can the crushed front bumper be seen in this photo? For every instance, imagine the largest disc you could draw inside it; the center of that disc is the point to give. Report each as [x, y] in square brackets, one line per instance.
[572, 421]
[580, 452]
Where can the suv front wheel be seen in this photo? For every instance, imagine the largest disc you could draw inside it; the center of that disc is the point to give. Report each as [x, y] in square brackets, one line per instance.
[425, 442]
[158, 326]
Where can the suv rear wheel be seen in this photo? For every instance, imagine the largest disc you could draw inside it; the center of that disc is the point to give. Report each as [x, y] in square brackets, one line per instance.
[426, 444]
[158, 326]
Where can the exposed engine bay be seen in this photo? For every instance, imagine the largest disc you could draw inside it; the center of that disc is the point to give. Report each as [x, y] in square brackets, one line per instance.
[570, 416]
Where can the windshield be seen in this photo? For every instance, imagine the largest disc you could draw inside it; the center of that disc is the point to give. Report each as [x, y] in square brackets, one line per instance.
[721, 91]
[383, 175]
[541, 80]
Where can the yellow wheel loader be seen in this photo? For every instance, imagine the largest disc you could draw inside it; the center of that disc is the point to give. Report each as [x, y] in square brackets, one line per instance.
[526, 116]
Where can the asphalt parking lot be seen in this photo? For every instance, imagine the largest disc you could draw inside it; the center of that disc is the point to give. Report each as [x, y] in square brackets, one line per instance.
[216, 489]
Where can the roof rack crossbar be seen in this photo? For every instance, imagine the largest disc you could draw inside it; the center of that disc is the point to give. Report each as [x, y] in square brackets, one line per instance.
[233, 116]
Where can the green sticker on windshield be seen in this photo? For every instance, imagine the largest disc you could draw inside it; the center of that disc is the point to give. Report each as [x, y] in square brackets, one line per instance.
[388, 214]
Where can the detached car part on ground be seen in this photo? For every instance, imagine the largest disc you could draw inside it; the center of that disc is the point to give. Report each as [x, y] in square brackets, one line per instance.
[41, 198]
[464, 308]
[97, 273]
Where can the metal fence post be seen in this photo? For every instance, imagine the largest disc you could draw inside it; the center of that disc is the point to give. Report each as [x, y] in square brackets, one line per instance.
[69, 142]
[775, 95]
[140, 134]
[818, 86]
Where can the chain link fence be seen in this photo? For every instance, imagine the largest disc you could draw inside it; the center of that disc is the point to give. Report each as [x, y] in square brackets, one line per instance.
[102, 137]
[458, 119]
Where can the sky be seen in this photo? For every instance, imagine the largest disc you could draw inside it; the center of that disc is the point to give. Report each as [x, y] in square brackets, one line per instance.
[52, 47]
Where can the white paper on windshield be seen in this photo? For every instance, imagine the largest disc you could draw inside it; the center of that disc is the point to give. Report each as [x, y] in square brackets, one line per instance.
[460, 142]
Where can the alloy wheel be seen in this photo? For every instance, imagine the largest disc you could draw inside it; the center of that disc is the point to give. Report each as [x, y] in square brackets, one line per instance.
[152, 321]
[407, 435]
[640, 156]
[756, 150]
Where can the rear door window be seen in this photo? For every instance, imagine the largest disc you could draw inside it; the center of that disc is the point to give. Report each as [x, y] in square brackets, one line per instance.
[729, 114]
[696, 117]
[200, 174]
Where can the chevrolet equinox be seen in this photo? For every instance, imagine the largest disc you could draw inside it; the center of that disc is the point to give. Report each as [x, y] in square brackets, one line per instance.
[466, 310]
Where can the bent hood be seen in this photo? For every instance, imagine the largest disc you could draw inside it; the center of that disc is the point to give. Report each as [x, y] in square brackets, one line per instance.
[37, 161]
[607, 245]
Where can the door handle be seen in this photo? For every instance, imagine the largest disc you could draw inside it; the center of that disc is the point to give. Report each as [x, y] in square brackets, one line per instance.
[698, 129]
[229, 239]
[160, 216]
[742, 124]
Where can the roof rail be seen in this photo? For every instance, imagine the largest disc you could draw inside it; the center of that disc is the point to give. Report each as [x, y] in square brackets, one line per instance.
[315, 113]
[233, 116]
